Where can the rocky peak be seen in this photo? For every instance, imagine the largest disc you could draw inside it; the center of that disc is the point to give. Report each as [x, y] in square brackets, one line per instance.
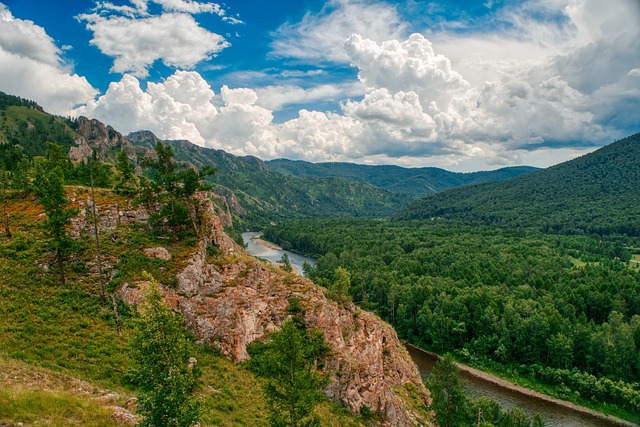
[254, 161]
[232, 303]
[95, 136]
[145, 138]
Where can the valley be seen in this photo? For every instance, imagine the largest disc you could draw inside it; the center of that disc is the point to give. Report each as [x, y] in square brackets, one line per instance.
[532, 276]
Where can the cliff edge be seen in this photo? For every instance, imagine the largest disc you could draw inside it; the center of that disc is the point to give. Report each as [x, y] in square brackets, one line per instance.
[230, 299]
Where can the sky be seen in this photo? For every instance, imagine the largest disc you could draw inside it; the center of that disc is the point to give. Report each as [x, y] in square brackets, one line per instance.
[457, 84]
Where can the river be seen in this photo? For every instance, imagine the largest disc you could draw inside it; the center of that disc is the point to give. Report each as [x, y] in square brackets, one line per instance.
[555, 414]
[273, 253]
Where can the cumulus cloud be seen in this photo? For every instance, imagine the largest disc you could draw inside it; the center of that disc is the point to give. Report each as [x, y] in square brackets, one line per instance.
[136, 43]
[455, 98]
[274, 97]
[319, 36]
[31, 66]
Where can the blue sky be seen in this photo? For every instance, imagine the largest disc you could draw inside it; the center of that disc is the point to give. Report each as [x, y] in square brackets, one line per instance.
[464, 85]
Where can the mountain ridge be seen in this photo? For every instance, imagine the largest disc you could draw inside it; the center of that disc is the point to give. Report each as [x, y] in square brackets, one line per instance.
[595, 193]
[421, 181]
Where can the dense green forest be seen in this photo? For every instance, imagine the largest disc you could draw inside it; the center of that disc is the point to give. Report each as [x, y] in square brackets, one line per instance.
[411, 181]
[564, 310]
[596, 193]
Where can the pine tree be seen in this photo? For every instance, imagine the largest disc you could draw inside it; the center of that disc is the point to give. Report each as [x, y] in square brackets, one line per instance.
[49, 187]
[164, 369]
[127, 183]
[447, 393]
[289, 363]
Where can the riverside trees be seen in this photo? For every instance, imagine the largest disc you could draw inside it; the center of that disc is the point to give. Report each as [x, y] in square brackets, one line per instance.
[561, 310]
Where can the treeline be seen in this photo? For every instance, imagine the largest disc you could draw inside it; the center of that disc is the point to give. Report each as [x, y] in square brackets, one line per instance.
[10, 100]
[27, 134]
[514, 299]
[594, 194]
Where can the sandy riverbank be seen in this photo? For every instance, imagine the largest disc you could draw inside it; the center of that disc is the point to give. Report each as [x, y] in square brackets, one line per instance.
[499, 382]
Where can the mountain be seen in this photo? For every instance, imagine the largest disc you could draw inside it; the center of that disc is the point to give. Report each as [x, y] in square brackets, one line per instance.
[267, 195]
[417, 182]
[596, 193]
[250, 188]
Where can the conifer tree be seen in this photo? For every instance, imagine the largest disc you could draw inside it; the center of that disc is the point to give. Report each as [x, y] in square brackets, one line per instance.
[447, 393]
[164, 369]
[49, 187]
[293, 385]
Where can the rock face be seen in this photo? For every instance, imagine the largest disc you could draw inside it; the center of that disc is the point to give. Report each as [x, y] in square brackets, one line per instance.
[158, 252]
[232, 303]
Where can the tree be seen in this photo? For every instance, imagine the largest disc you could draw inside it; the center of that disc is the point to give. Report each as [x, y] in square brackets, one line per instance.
[127, 182]
[293, 385]
[285, 263]
[163, 369]
[341, 285]
[49, 187]
[175, 184]
[447, 393]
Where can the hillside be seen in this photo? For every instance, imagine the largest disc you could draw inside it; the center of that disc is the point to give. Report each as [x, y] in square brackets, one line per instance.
[256, 194]
[416, 182]
[266, 195]
[596, 193]
[64, 332]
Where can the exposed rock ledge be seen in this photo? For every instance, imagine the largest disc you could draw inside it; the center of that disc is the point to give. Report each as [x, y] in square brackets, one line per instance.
[235, 302]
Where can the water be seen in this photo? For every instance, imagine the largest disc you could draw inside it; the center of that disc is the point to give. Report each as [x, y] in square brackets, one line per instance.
[253, 247]
[553, 415]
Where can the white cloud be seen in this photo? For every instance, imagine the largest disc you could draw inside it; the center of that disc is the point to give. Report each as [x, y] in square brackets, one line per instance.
[174, 38]
[190, 6]
[275, 97]
[173, 109]
[26, 39]
[319, 37]
[462, 99]
[318, 136]
[31, 67]
[232, 20]
[411, 65]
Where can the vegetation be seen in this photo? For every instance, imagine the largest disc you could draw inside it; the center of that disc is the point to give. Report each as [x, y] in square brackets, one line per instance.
[164, 368]
[454, 408]
[288, 362]
[265, 195]
[559, 310]
[49, 187]
[594, 194]
[416, 182]
[49, 330]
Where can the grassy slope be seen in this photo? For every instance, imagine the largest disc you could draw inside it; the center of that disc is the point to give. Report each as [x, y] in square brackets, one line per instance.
[54, 334]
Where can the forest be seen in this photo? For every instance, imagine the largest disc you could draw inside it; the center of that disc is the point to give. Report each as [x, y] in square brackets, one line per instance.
[559, 309]
[593, 194]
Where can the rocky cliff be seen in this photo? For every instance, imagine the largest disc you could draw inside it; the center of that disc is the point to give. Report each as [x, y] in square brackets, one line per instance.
[232, 299]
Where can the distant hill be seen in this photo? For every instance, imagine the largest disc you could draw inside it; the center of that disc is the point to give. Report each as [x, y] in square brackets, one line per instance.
[416, 182]
[266, 195]
[596, 193]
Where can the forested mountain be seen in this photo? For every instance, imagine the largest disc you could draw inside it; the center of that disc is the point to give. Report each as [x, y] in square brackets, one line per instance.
[255, 193]
[413, 181]
[266, 195]
[596, 193]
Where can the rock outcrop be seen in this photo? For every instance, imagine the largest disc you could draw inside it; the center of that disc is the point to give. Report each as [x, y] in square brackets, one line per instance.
[237, 299]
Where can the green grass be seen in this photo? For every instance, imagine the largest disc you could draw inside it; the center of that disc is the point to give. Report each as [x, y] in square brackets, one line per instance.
[53, 335]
